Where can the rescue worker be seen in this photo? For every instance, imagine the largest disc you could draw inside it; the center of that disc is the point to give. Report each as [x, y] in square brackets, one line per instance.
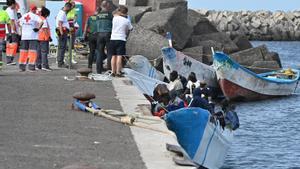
[90, 33]
[4, 21]
[30, 24]
[13, 36]
[44, 39]
[104, 34]
[62, 29]
[72, 16]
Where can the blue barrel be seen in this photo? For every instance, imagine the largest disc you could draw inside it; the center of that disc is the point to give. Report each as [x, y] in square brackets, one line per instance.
[79, 12]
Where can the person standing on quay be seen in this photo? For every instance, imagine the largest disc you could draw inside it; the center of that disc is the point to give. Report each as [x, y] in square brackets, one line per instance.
[104, 33]
[44, 39]
[30, 24]
[120, 30]
[4, 21]
[13, 36]
[62, 29]
[90, 34]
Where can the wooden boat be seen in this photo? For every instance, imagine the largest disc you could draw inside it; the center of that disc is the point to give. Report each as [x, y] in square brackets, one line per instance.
[239, 83]
[184, 65]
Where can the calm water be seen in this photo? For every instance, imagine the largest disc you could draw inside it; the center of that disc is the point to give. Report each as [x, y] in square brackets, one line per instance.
[269, 136]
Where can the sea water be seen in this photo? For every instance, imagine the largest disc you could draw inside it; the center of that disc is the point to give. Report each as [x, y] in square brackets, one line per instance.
[269, 133]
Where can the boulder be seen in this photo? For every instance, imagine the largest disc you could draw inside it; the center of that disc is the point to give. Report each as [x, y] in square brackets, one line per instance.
[133, 2]
[273, 56]
[227, 45]
[168, 20]
[164, 4]
[195, 52]
[137, 13]
[145, 42]
[200, 24]
[266, 64]
[242, 42]
[249, 56]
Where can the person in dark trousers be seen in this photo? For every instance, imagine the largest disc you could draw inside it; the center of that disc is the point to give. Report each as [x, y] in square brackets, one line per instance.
[91, 34]
[62, 29]
[12, 39]
[104, 33]
[44, 39]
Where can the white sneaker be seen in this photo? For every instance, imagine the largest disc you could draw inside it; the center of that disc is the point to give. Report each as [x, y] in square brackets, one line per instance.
[11, 63]
[74, 61]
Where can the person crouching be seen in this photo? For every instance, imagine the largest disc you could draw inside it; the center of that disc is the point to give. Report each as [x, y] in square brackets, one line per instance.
[30, 23]
[117, 47]
[44, 39]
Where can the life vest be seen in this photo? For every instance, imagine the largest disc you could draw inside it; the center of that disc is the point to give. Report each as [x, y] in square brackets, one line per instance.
[44, 33]
[4, 19]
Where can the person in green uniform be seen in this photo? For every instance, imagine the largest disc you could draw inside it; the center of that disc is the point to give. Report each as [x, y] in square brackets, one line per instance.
[104, 32]
[91, 34]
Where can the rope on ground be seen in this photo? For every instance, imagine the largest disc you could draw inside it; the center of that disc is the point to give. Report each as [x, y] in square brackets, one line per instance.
[127, 120]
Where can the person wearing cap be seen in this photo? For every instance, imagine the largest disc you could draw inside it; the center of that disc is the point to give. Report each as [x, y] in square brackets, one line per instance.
[44, 39]
[4, 22]
[117, 47]
[12, 39]
[30, 23]
[62, 29]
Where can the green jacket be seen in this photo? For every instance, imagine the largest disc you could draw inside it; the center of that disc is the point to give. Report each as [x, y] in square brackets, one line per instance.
[104, 23]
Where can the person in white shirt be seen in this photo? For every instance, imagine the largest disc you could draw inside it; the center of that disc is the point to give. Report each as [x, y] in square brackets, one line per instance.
[117, 47]
[192, 84]
[62, 30]
[30, 24]
[12, 39]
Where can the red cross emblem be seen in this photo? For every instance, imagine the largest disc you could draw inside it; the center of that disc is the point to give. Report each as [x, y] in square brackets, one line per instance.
[27, 18]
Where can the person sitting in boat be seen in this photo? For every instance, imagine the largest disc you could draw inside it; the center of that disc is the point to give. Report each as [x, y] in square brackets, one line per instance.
[192, 84]
[205, 92]
[175, 86]
[201, 102]
[163, 103]
[227, 117]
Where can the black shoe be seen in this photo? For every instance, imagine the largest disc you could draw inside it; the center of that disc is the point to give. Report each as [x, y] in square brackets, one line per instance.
[39, 67]
[119, 75]
[47, 69]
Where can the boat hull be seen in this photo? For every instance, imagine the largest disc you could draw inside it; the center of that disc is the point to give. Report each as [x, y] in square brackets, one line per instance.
[238, 83]
[184, 65]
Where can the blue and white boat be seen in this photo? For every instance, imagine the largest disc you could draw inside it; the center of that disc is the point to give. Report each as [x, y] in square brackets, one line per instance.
[239, 83]
[206, 143]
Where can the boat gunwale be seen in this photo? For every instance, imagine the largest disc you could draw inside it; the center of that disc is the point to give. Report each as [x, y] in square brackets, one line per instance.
[278, 81]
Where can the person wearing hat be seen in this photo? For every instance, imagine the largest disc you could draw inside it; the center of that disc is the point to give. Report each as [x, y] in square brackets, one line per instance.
[30, 24]
[12, 39]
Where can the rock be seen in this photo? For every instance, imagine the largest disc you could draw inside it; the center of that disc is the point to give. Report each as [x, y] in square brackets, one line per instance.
[249, 56]
[203, 12]
[266, 64]
[221, 38]
[168, 20]
[195, 52]
[133, 2]
[137, 13]
[84, 96]
[200, 24]
[145, 42]
[242, 42]
[273, 56]
[164, 4]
